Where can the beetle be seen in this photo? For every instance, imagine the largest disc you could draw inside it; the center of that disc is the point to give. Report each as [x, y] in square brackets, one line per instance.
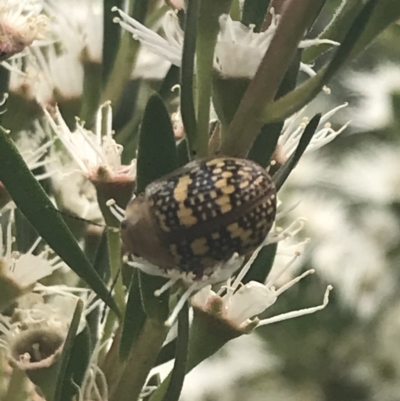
[201, 215]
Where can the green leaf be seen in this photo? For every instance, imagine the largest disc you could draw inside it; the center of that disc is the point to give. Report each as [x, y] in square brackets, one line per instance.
[156, 307]
[254, 13]
[170, 80]
[33, 202]
[111, 36]
[92, 83]
[336, 29]
[102, 267]
[134, 318]
[157, 154]
[370, 22]
[262, 265]
[187, 72]
[167, 353]
[181, 353]
[66, 353]
[283, 173]
[125, 59]
[183, 152]
[77, 365]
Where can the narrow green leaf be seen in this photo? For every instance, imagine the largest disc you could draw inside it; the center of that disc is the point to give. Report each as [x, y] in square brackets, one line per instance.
[167, 353]
[66, 353]
[111, 37]
[265, 144]
[77, 365]
[134, 318]
[92, 83]
[125, 59]
[33, 202]
[155, 381]
[254, 13]
[283, 173]
[183, 152]
[156, 307]
[157, 150]
[336, 29]
[4, 80]
[170, 80]
[262, 265]
[370, 22]
[356, 36]
[262, 90]
[187, 72]
[181, 353]
[157, 156]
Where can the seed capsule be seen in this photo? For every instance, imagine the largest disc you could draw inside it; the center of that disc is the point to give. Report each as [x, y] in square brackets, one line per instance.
[201, 215]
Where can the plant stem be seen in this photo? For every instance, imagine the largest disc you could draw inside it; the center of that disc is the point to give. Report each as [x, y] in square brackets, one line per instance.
[140, 361]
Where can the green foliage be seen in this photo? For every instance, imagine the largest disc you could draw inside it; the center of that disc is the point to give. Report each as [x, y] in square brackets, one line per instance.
[250, 114]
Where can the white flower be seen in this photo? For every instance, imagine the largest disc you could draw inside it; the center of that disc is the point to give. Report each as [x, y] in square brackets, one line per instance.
[78, 26]
[292, 132]
[21, 23]
[93, 150]
[24, 269]
[44, 73]
[42, 319]
[241, 304]
[36, 155]
[238, 51]
[74, 193]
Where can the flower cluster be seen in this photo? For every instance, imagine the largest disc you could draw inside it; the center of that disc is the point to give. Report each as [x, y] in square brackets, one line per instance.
[95, 135]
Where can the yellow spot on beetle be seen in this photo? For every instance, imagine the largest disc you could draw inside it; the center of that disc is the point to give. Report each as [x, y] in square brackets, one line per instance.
[186, 217]
[223, 200]
[220, 183]
[226, 208]
[181, 189]
[244, 184]
[213, 194]
[258, 181]
[226, 174]
[225, 204]
[199, 246]
[237, 231]
[228, 189]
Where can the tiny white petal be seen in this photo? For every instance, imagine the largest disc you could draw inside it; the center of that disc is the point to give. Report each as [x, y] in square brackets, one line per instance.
[249, 301]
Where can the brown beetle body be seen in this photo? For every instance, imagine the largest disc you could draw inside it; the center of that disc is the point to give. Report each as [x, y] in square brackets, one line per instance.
[201, 215]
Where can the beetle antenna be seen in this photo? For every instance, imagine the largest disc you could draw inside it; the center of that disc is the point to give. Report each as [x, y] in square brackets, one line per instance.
[75, 217]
